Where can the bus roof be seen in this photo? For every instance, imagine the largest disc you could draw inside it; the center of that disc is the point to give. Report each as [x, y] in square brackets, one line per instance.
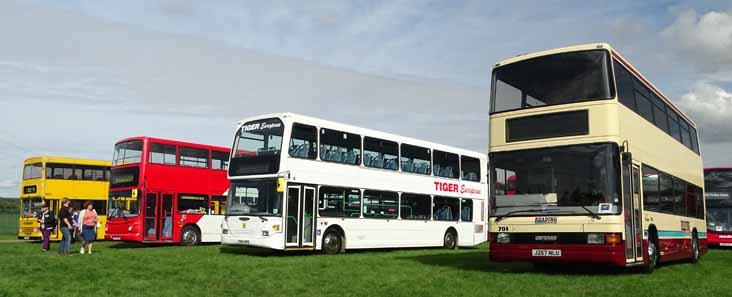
[67, 160]
[366, 132]
[615, 54]
[175, 142]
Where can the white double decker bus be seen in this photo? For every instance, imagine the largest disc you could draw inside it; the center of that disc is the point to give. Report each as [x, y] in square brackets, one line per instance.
[299, 183]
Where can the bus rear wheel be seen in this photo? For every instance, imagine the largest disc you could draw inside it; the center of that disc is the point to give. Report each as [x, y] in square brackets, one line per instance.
[190, 236]
[450, 240]
[332, 242]
[694, 249]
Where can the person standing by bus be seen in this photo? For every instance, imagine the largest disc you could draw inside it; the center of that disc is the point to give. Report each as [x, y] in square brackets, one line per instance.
[64, 216]
[75, 224]
[48, 223]
[88, 218]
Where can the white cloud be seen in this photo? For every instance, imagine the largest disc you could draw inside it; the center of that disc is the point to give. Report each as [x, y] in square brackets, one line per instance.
[705, 39]
[7, 183]
[711, 107]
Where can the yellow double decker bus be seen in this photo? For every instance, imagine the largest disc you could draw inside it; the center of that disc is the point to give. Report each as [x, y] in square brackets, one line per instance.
[49, 179]
[590, 162]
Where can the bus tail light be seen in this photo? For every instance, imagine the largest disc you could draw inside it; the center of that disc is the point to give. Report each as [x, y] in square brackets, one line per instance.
[613, 238]
[276, 227]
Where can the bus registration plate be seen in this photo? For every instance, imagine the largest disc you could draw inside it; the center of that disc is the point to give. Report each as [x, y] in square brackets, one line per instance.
[115, 238]
[725, 244]
[546, 253]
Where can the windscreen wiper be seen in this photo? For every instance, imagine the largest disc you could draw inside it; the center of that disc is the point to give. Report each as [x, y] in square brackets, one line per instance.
[503, 216]
[591, 213]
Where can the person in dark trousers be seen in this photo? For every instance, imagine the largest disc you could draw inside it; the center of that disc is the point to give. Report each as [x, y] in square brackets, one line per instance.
[65, 219]
[48, 223]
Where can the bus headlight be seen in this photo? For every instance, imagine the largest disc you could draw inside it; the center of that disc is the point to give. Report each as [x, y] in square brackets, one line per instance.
[225, 231]
[129, 229]
[594, 238]
[265, 233]
[503, 238]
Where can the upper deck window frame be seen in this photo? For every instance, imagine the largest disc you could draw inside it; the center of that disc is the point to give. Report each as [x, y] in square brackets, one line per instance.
[609, 75]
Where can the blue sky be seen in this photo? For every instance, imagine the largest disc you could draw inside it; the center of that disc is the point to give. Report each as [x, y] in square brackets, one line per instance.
[77, 75]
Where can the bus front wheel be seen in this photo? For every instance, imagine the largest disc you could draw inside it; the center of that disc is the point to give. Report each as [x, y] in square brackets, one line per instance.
[190, 236]
[332, 242]
[652, 256]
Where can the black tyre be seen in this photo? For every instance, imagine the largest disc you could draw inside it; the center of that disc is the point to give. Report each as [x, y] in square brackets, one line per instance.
[695, 249]
[652, 256]
[332, 242]
[190, 236]
[450, 240]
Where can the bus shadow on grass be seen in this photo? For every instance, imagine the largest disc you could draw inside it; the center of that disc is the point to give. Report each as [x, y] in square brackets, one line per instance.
[479, 261]
[138, 245]
[263, 252]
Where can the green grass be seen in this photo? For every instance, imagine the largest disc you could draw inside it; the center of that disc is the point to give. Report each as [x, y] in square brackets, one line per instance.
[117, 269]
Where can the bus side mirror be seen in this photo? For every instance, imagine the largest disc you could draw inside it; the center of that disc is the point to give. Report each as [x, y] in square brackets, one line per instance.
[627, 158]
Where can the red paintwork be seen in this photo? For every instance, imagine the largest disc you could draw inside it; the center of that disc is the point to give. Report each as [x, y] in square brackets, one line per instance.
[167, 179]
[717, 238]
[671, 250]
[608, 254]
[712, 237]
[717, 168]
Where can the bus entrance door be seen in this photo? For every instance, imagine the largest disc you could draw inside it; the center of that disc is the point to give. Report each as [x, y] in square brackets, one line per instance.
[150, 223]
[158, 217]
[632, 214]
[165, 219]
[300, 217]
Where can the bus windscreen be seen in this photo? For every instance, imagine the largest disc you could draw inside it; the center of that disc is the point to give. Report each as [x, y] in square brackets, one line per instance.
[551, 80]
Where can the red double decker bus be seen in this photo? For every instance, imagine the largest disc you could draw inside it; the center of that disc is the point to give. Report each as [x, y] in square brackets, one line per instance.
[165, 191]
[718, 185]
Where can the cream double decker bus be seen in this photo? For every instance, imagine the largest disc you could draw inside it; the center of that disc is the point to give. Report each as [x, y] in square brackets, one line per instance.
[304, 183]
[591, 163]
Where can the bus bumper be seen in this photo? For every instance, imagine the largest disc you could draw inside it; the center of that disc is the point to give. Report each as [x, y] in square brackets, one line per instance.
[584, 253]
[270, 242]
[123, 237]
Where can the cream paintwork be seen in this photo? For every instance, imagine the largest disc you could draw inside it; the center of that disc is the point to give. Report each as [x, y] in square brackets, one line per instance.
[591, 46]
[564, 224]
[610, 121]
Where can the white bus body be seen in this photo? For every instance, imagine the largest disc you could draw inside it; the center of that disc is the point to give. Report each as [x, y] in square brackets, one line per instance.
[357, 203]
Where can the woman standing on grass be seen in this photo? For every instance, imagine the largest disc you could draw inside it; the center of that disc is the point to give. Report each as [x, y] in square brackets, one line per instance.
[88, 226]
[48, 222]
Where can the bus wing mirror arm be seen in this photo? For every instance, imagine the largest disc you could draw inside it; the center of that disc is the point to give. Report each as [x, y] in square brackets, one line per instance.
[627, 158]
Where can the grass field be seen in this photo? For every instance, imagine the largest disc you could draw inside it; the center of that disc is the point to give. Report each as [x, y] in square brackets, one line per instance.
[118, 269]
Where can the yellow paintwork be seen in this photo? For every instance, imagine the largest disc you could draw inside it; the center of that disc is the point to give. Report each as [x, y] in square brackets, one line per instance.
[53, 190]
[610, 121]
